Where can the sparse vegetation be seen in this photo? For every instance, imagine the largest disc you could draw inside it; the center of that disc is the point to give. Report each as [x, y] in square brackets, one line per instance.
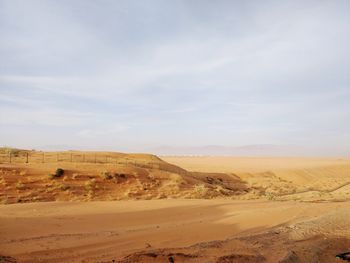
[106, 175]
[222, 190]
[64, 187]
[200, 190]
[120, 175]
[178, 179]
[20, 185]
[123, 182]
[90, 185]
[270, 196]
[59, 172]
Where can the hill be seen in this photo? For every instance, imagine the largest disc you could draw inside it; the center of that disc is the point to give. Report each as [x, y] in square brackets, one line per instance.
[31, 176]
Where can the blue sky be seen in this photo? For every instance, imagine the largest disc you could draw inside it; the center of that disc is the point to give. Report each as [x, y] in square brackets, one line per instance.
[134, 75]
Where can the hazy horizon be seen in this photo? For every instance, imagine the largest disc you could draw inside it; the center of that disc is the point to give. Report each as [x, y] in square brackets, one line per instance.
[176, 75]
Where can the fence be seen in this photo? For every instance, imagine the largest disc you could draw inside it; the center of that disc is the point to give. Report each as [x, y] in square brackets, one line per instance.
[91, 158]
[45, 157]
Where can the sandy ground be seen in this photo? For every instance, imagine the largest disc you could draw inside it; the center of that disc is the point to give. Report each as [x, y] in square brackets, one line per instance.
[106, 231]
[284, 178]
[227, 164]
[259, 210]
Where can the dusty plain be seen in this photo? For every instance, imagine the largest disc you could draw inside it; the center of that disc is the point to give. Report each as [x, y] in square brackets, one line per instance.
[141, 208]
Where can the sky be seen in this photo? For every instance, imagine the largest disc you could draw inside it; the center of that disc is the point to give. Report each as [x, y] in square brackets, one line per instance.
[136, 75]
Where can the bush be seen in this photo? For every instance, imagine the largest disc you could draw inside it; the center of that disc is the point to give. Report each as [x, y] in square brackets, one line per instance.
[59, 172]
[20, 185]
[200, 189]
[90, 185]
[120, 175]
[106, 176]
[64, 187]
[270, 196]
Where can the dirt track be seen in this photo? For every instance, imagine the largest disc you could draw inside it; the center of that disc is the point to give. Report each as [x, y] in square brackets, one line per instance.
[106, 231]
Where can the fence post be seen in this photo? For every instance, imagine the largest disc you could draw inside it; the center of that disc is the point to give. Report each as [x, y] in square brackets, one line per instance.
[10, 156]
[27, 154]
[83, 158]
[43, 157]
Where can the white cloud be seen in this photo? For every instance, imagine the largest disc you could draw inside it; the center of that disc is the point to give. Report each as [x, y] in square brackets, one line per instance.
[43, 116]
[108, 130]
[227, 71]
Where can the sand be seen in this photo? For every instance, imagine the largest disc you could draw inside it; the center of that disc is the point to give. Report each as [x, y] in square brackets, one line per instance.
[182, 209]
[106, 231]
[284, 178]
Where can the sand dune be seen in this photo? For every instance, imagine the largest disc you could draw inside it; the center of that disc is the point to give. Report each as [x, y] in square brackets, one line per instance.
[306, 179]
[141, 208]
[121, 177]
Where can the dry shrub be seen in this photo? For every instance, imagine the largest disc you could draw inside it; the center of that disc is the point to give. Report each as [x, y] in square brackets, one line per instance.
[222, 190]
[106, 175]
[120, 177]
[200, 190]
[20, 185]
[176, 178]
[63, 187]
[90, 185]
[270, 196]
[59, 172]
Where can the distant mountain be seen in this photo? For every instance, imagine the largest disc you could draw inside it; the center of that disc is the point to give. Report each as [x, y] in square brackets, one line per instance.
[246, 150]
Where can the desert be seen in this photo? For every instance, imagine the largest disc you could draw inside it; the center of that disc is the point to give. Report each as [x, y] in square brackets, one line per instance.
[174, 131]
[143, 208]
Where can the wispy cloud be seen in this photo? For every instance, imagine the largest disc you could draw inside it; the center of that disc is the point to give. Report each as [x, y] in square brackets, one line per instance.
[103, 131]
[206, 73]
[43, 117]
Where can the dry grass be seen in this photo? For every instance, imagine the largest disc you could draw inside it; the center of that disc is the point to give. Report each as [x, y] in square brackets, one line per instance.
[20, 185]
[313, 179]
